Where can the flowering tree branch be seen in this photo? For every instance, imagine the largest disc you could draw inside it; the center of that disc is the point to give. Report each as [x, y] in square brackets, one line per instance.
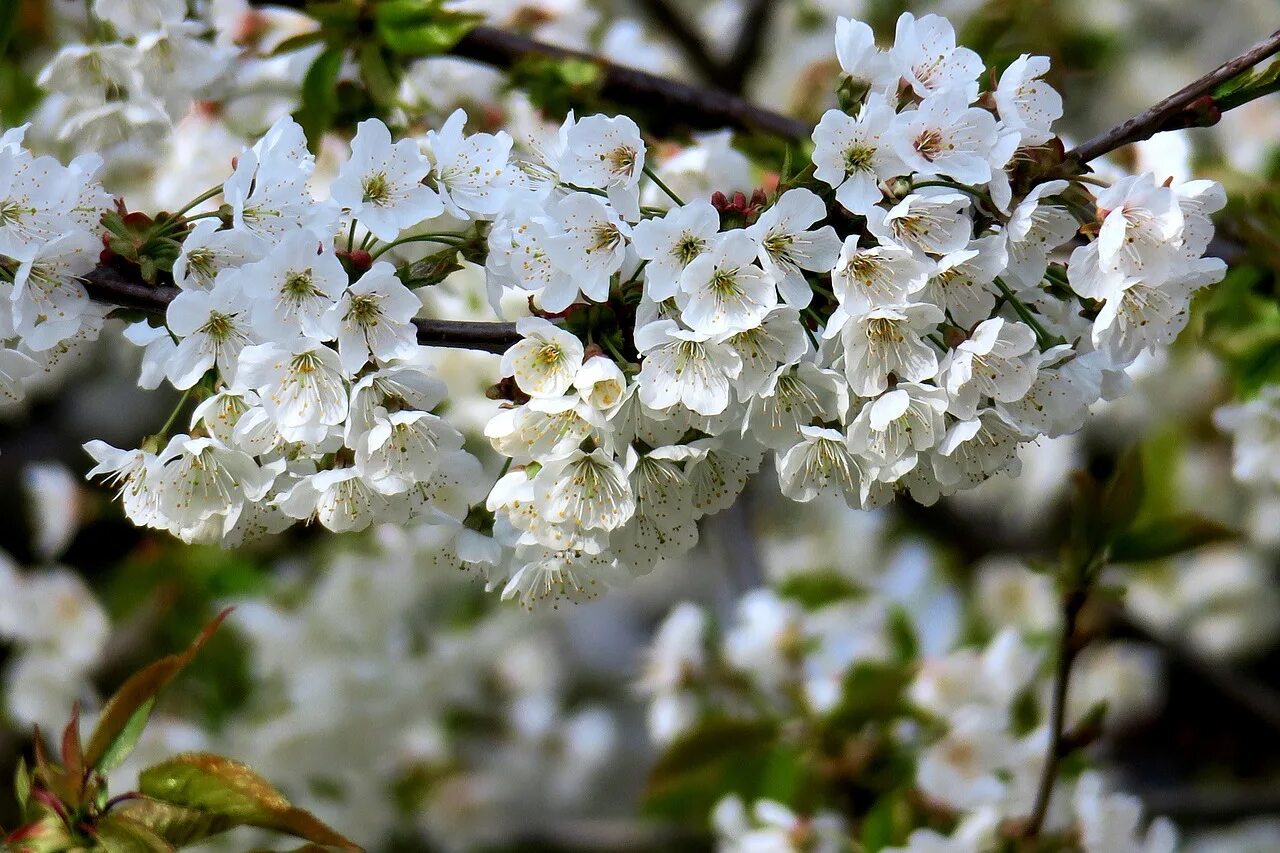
[111, 286]
[1191, 106]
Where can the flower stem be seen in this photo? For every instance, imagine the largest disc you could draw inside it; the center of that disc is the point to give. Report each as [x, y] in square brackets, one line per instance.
[198, 200]
[653, 176]
[1045, 339]
[173, 416]
[444, 239]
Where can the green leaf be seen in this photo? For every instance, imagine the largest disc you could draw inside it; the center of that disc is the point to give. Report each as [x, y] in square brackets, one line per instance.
[888, 823]
[381, 82]
[117, 833]
[9, 10]
[421, 27]
[320, 96]
[120, 748]
[1122, 496]
[431, 270]
[817, 589]
[22, 785]
[303, 40]
[721, 755]
[872, 692]
[225, 788]
[179, 826]
[1169, 536]
[118, 717]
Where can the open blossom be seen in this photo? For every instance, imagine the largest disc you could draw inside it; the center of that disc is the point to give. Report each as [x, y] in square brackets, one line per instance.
[886, 341]
[723, 290]
[945, 136]
[788, 248]
[301, 386]
[861, 59]
[672, 242]
[293, 288]
[1026, 102]
[213, 327]
[854, 154]
[820, 464]
[932, 221]
[925, 54]
[606, 152]
[381, 185]
[690, 368]
[373, 319]
[589, 247]
[871, 277]
[545, 362]
[470, 172]
[998, 361]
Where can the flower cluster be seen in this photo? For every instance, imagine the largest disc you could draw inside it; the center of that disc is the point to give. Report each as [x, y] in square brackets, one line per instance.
[316, 403]
[897, 317]
[136, 85]
[49, 238]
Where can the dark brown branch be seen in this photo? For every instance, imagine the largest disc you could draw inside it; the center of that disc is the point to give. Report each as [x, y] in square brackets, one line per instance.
[1181, 109]
[746, 53]
[671, 105]
[1068, 650]
[675, 26]
[109, 285]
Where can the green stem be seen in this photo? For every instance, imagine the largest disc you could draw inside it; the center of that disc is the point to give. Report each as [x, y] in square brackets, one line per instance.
[608, 344]
[653, 176]
[173, 416]
[351, 236]
[937, 342]
[1043, 337]
[443, 239]
[198, 200]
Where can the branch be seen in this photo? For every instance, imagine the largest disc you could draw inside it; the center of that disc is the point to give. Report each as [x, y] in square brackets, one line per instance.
[674, 25]
[1179, 110]
[110, 286]
[673, 105]
[1068, 649]
[746, 53]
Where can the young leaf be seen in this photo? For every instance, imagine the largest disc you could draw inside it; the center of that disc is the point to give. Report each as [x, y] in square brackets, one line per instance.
[120, 748]
[229, 789]
[22, 785]
[117, 833]
[1168, 536]
[117, 720]
[319, 105]
[179, 826]
[1122, 497]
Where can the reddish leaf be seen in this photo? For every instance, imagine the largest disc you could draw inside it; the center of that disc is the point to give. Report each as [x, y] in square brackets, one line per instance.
[118, 717]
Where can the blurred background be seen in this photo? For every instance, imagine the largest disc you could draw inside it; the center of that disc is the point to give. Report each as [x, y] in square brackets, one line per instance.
[386, 690]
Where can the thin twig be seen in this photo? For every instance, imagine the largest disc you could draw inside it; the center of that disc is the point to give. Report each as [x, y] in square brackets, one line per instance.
[1068, 649]
[670, 104]
[1174, 111]
[675, 26]
[746, 53]
[113, 287]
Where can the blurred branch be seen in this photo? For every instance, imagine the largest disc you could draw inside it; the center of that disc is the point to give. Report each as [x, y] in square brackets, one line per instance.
[673, 24]
[111, 286]
[747, 51]
[671, 103]
[1190, 106]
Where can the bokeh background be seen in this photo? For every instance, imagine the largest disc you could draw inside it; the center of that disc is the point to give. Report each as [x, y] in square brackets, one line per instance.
[390, 693]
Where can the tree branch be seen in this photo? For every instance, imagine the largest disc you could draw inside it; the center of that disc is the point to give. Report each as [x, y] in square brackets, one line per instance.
[674, 26]
[671, 104]
[1179, 110]
[746, 53]
[109, 285]
[1068, 649]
